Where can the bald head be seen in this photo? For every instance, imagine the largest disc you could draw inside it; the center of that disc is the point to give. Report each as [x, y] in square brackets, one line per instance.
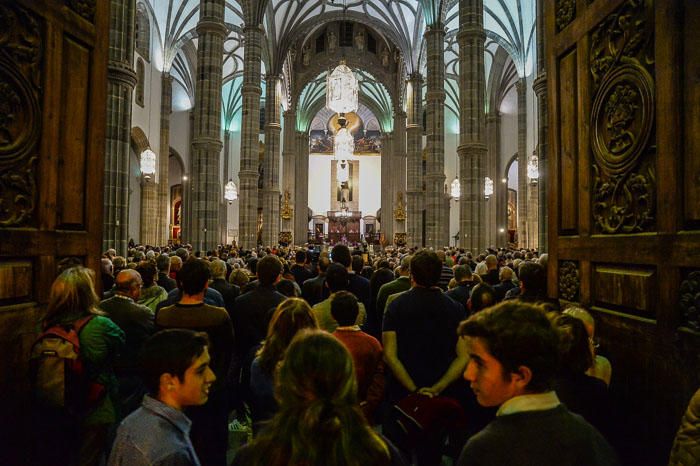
[129, 283]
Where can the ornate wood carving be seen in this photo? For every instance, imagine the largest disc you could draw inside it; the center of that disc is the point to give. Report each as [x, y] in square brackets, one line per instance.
[690, 301]
[566, 12]
[85, 8]
[21, 48]
[622, 120]
[569, 281]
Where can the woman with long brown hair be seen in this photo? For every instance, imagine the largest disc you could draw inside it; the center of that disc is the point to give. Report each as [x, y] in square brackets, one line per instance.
[319, 422]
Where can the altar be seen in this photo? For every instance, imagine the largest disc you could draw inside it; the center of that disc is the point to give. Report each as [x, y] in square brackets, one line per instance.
[344, 226]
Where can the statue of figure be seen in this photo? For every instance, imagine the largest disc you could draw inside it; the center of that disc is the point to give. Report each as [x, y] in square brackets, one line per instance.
[385, 57]
[400, 212]
[332, 41]
[397, 55]
[287, 209]
[306, 55]
[293, 54]
[360, 41]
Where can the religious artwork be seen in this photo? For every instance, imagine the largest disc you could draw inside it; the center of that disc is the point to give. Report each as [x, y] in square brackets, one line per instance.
[360, 41]
[622, 121]
[332, 41]
[400, 239]
[285, 237]
[385, 57]
[366, 142]
[400, 211]
[287, 209]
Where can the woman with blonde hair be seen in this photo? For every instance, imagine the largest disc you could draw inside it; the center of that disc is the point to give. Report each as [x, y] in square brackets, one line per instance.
[291, 316]
[72, 301]
[319, 421]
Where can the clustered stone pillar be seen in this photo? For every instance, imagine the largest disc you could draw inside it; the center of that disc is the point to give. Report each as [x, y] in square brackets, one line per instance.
[435, 106]
[387, 220]
[271, 168]
[149, 211]
[248, 174]
[301, 196]
[497, 206]
[521, 87]
[398, 166]
[162, 218]
[540, 88]
[472, 126]
[206, 140]
[227, 170]
[414, 162]
[121, 80]
[289, 170]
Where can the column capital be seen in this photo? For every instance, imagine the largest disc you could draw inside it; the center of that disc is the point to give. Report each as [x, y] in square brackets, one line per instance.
[252, 28]
[472, 31]
[540, 84]
[211, 26]
[437, 28]
[116, 72]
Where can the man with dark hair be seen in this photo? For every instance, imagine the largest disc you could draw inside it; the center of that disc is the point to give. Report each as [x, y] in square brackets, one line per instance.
[164, 280]
[337, 279]
[359, 285]
[465, 281]
[299, 270]
[136, 321]
[175, 369]
[513, 359]
[533, 286]
[210, 422]
[421, 346]
[366, 352]
[481, 297]
[312, 289]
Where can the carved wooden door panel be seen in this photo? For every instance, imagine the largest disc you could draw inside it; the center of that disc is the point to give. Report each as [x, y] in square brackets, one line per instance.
[624, 207]
[53, 68]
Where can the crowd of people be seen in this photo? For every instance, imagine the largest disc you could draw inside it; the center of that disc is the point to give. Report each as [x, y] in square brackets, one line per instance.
[340, 357]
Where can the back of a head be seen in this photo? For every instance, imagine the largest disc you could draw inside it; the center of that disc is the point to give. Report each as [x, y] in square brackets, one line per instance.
[300, 257]
[585, 317]
[341, 255]
[291, 316]
[323, 263]
[163, 263]
[491, 261]
[194, 276]
[182, 254]
[481, 268]
[169, 351]
[518, 334]
[441, 255]
[72, 295]
[217, 268]
[463, 273]
[287, 288]
[357, 264]
[426, 268]
[238, 277]
[574, 346]
[533, 277]
[268, 269]
[148, 272]
[482, 296]
[344, 308]
[505, 274]
[126, 280]
[175, 263]
[337, 277]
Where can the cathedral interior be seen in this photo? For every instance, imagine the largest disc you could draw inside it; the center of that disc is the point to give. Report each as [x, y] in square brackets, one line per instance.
[567, 126]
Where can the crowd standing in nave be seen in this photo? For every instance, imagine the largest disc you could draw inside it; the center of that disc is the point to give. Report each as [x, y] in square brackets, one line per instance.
[299, 350]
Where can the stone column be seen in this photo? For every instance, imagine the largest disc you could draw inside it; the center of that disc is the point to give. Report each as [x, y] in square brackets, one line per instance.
[497, 211]
[540, 88]
[162, 218]
[187, 220]
[435, 106]
[387, 185]
[301, 196]
[271, 163]
[398, 164]
[149, 212]
[414, 162]
[289, 152]
[472, 126]
[227, 175]
[121, 80]
[532, 214]
[523, 239]
[248, 174]
[206, 140]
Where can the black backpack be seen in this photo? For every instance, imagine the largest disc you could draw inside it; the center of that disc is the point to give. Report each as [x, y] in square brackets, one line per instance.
[58, 376]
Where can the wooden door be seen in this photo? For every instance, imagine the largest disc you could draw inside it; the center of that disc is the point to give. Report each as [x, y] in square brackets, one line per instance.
[53, 68]
[624, 224]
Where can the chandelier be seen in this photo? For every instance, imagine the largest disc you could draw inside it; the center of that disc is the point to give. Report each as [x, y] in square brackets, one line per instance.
[455, 189]
[230, 191]
[343, 145]
[342, 90]
[343, 172]
[488, 187]
[148, 163]
[533, 172]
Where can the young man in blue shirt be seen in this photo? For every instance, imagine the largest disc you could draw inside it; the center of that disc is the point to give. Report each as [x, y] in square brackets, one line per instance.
[176, 372]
